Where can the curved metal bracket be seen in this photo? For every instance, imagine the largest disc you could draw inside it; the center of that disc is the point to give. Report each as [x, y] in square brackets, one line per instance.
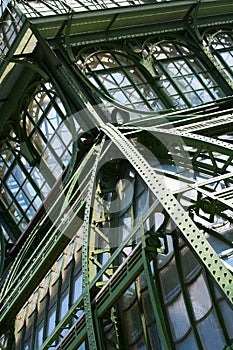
[191, 18]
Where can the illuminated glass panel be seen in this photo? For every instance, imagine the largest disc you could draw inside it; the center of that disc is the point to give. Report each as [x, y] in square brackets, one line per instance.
[47, 131]
[122, 79]
[221, 45]
[28, 171]
[180, 73]
[183, 74]
[9, 28]
[20, 190]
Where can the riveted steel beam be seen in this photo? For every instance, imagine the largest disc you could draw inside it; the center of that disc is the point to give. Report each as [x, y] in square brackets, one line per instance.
[85, 253]
[213, 150]
[200, 142]
[194, 237]
[99, 276]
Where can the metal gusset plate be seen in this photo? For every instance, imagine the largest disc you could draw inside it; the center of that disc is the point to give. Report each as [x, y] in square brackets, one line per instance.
[156, 184]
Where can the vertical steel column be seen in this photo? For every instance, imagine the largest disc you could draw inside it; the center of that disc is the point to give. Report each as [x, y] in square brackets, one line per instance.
[155, 299]
[85, 253]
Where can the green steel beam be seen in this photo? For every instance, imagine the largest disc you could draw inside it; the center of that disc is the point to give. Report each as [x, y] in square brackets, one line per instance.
[70, 314]
[116, 285]
[16, 299]
[113, 289]
[156, 303]
[116, 26]
[190, 139]
[13, 90]
[62, 74]
[121, 279]
[47, 252]
[201, 143]
[102, 307]
[76, 336]
[8, 223]
[213, 127]
[194, 237]
[85, 252]
[185, 116]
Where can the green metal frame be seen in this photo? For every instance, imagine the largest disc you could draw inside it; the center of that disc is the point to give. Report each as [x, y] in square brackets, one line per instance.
[60, 34]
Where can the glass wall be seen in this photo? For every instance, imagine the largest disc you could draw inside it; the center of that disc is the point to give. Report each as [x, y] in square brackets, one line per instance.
[154, 75]
[149, 289]
[220, 44]
[57, 292]
[29, 169]
[10, 26]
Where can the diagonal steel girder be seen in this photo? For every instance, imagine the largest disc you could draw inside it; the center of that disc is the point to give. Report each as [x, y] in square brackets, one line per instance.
[193, 236]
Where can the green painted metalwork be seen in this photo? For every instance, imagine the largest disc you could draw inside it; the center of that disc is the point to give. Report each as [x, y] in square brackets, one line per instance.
[195, 238]
[85, 255]
[86, 295]
[154, 292]
[93, 283]
[123, 22]
[47, 252]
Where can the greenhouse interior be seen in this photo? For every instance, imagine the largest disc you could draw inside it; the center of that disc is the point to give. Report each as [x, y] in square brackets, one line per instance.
[116, 175]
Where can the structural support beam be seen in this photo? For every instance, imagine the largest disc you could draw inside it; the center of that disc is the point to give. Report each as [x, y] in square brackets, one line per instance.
[194, 237]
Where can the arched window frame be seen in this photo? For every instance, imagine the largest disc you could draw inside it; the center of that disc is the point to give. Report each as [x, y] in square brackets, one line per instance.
[191, 61]
[26, 174]
[220, 52]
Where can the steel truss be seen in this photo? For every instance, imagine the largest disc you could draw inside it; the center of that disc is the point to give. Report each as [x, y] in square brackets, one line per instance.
[183, 160]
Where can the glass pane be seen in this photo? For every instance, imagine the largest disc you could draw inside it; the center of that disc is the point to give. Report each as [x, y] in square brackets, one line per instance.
[64, 304]
[39, 336]
[182, 74]
[188, 343]
[51, 320]
[179, 319]
[190, 265]
[82, 346]
[170, 281]
[222, 48]
[117, 74]
[211, 333]
[227, 313]
[77, 288]
[133, 323]
[200, 298]
[154, 337]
